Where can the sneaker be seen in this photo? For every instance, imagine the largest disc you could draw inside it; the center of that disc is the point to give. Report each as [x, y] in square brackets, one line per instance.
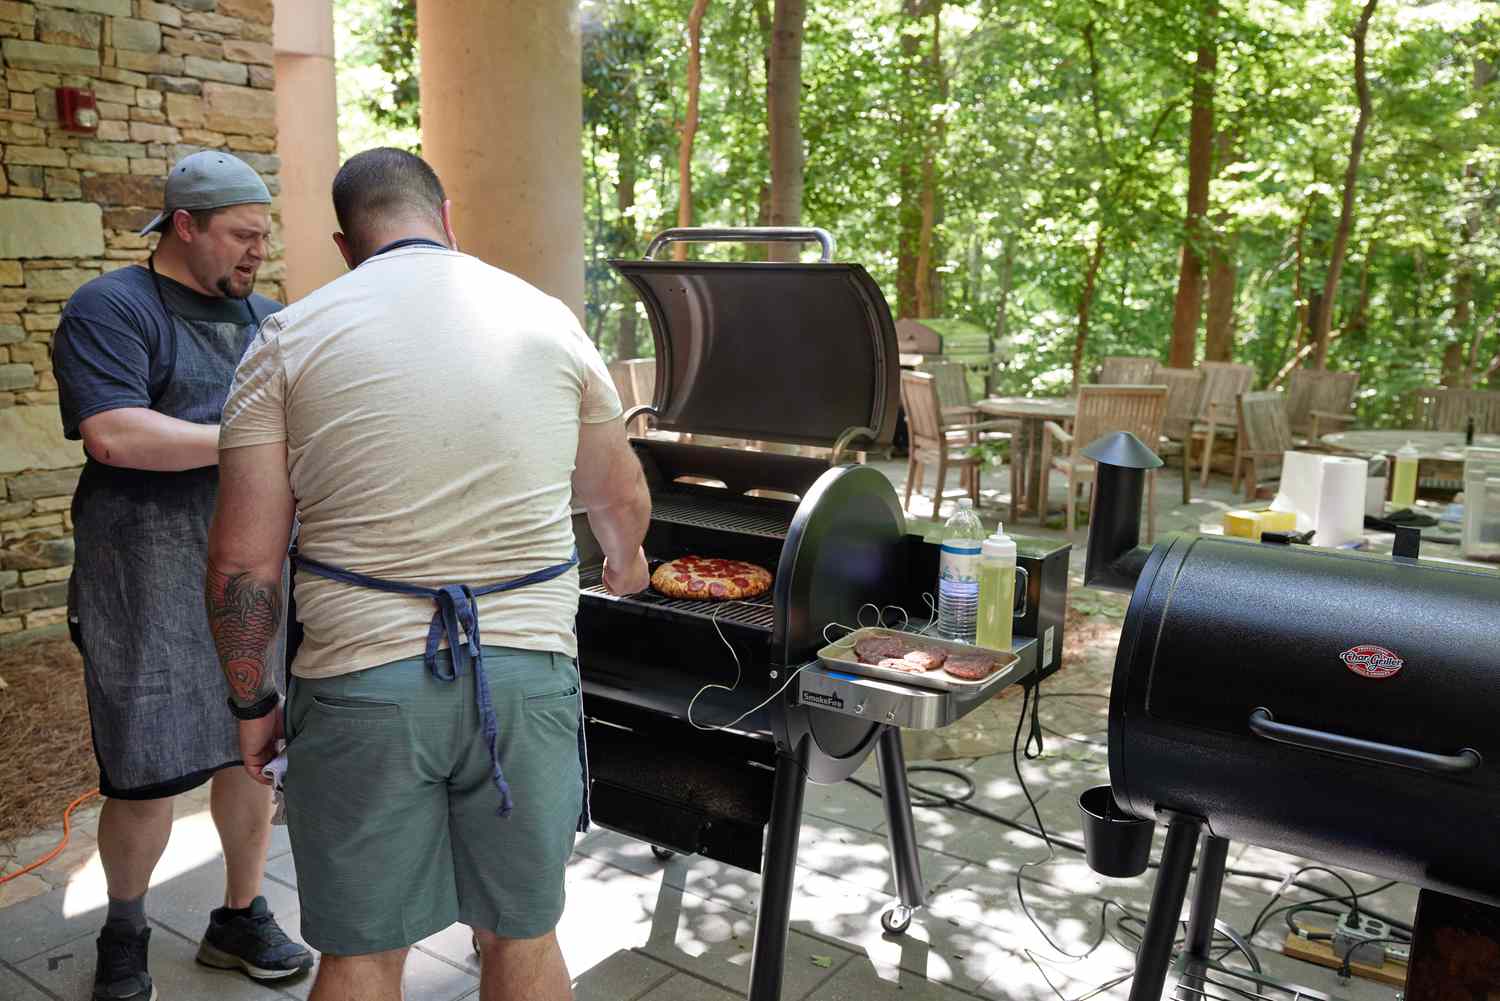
[120, 974]
[252, 941]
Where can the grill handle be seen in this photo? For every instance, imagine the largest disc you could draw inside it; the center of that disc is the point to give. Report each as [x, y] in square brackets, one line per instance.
[1263, 724]
[744, 234]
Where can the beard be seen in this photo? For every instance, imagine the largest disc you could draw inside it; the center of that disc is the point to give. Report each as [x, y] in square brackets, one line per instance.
[232, 286]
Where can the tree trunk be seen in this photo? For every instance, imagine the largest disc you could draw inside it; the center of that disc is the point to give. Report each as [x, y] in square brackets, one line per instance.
[1463, 291]
[933, 136]
[689, 125]
[909, 148]
[626, 345]
[1351, 176]
[1002, 313]
[1085, 307]
[1219, 338]
[1188, 307]
[784, 118]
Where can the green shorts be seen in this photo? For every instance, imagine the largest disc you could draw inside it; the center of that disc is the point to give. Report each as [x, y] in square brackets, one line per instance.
[392, 811]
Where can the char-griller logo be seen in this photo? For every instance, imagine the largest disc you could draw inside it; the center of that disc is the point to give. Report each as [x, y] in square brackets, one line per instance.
[829, 699]
[1370, 661]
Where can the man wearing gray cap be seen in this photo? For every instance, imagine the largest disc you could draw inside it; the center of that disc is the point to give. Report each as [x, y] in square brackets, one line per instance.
[144, 357]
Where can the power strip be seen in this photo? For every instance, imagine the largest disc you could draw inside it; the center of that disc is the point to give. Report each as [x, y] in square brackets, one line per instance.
[1368, 929]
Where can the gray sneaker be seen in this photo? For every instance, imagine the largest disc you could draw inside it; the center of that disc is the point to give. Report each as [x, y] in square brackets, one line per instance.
[120, 974]
[252, 941]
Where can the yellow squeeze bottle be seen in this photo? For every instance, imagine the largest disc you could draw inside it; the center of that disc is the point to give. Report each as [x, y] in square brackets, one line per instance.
[1404, 483]
[997, 591]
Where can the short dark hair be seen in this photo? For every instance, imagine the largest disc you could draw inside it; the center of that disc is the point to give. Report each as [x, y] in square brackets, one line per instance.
[202, 217]
[385, 181]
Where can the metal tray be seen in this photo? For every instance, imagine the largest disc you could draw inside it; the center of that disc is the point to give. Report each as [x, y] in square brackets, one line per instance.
[840, 656]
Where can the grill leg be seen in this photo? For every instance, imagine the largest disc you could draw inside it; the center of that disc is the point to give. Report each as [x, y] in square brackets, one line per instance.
[895, 795]
[1211, 861]
[772, 919]
[1155, 954]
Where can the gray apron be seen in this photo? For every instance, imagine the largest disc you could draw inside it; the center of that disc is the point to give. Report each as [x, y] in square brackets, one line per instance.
[135, 601]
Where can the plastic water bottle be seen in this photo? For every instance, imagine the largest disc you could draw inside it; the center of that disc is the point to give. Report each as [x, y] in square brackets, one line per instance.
[997, 591]
[958, 574]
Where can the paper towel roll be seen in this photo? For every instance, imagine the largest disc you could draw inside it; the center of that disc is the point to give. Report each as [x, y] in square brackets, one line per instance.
[1341, 501]
[1301, 487]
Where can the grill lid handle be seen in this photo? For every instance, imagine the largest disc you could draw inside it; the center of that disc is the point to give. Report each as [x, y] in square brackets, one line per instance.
[744, 234]
[1264, 725]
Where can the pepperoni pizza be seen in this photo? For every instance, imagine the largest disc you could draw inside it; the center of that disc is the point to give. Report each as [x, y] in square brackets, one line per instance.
[710, 579]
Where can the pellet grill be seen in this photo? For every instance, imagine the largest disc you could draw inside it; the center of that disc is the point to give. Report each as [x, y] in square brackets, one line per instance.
[1330, 704]
[798, 354]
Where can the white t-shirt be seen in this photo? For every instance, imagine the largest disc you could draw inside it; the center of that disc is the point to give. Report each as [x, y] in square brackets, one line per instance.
[430, 405]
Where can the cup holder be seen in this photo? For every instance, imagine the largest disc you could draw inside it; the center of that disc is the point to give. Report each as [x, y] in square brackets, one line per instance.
[1115, 842]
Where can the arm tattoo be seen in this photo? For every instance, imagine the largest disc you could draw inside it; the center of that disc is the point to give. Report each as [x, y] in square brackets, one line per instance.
[244, 613]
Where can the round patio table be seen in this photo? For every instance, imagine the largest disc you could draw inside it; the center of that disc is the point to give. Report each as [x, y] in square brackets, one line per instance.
[1448, 445]
[1032, 413]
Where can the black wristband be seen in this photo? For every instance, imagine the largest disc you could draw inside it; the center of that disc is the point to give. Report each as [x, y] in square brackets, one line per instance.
[258, 710]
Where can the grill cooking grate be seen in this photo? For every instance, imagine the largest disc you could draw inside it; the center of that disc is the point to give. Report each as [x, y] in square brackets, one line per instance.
[724, 517]
[759, 613]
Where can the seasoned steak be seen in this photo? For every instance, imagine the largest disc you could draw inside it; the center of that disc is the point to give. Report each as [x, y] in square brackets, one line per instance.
[874, 649]
[971, 668]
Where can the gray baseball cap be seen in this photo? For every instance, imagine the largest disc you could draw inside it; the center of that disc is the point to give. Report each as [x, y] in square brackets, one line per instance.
[210, 179]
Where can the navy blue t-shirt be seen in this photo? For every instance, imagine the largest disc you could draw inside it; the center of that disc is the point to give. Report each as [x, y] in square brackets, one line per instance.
[114, 346]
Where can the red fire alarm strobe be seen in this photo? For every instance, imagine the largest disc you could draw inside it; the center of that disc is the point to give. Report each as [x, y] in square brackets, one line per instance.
[77, 111]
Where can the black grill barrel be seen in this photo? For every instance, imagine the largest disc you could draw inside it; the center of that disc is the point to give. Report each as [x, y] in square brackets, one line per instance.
[1114, 561]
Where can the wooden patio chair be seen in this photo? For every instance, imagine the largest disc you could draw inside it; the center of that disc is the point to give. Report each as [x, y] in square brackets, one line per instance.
[1217, 415]
[1183, 386]
[1265, 435]
[1437, 408]
[1101, 410]
[1127, 370]
[953, 390]
[938, 441]
[1318, 401]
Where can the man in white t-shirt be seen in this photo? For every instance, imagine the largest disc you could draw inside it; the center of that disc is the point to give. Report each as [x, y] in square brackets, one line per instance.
[431, 420]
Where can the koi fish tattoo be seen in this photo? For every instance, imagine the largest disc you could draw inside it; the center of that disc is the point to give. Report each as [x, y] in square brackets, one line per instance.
[243, 614]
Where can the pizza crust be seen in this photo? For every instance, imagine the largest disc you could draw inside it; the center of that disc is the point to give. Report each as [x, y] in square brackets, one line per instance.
[708, 579]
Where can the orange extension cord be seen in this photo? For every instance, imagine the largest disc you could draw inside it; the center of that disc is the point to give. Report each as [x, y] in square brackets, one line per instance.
[67, 829]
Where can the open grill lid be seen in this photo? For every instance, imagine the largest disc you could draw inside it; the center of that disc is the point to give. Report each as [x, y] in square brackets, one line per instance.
[777, 352]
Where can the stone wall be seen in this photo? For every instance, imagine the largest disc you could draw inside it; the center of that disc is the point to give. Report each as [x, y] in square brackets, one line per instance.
[170, 79]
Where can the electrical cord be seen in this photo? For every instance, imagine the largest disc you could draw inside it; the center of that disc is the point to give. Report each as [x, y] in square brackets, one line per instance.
[67, 831]
[1346, 969]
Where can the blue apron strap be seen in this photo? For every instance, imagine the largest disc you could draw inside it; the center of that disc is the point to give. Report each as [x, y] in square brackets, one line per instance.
[456, 619]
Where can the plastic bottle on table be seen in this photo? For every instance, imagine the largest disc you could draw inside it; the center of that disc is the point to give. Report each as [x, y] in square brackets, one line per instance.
[997, 590]
[1404, 479]
[958, 574]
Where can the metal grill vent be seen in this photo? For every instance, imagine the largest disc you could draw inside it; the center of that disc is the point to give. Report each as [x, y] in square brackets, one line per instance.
[725, 517]
[758, 613]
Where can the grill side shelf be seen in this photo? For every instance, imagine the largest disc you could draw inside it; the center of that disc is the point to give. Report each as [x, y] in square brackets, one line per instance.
[757, 613]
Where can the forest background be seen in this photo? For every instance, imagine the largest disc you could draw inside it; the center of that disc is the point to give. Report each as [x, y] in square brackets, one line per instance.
[1307, 183]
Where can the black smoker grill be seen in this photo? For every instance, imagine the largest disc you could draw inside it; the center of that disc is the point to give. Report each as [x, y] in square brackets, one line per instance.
[1330, 704]
[802, 354]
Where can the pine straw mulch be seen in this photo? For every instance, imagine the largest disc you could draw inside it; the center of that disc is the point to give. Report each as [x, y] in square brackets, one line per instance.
[46, 754]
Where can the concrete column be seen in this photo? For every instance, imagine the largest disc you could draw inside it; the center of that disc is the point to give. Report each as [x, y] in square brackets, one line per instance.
[502, 113]
[307, 137]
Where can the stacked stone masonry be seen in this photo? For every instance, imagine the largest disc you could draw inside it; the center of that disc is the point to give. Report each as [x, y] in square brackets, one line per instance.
[169, 79]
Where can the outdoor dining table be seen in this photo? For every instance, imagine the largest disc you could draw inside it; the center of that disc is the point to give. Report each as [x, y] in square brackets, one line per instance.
[1447, 445]
[1032, 413]
[1431, 446]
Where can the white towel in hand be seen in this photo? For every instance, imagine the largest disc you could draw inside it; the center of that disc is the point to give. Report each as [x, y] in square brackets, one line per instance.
[276, 772]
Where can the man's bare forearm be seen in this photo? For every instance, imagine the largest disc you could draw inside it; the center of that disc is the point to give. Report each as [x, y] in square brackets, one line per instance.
[620, 526]
[244, 615]
[138, 438]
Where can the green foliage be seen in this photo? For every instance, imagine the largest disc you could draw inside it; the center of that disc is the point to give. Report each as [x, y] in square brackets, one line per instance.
[1064, 132]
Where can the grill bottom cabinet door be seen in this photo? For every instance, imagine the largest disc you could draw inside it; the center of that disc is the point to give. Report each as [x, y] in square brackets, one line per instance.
[684, 794]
